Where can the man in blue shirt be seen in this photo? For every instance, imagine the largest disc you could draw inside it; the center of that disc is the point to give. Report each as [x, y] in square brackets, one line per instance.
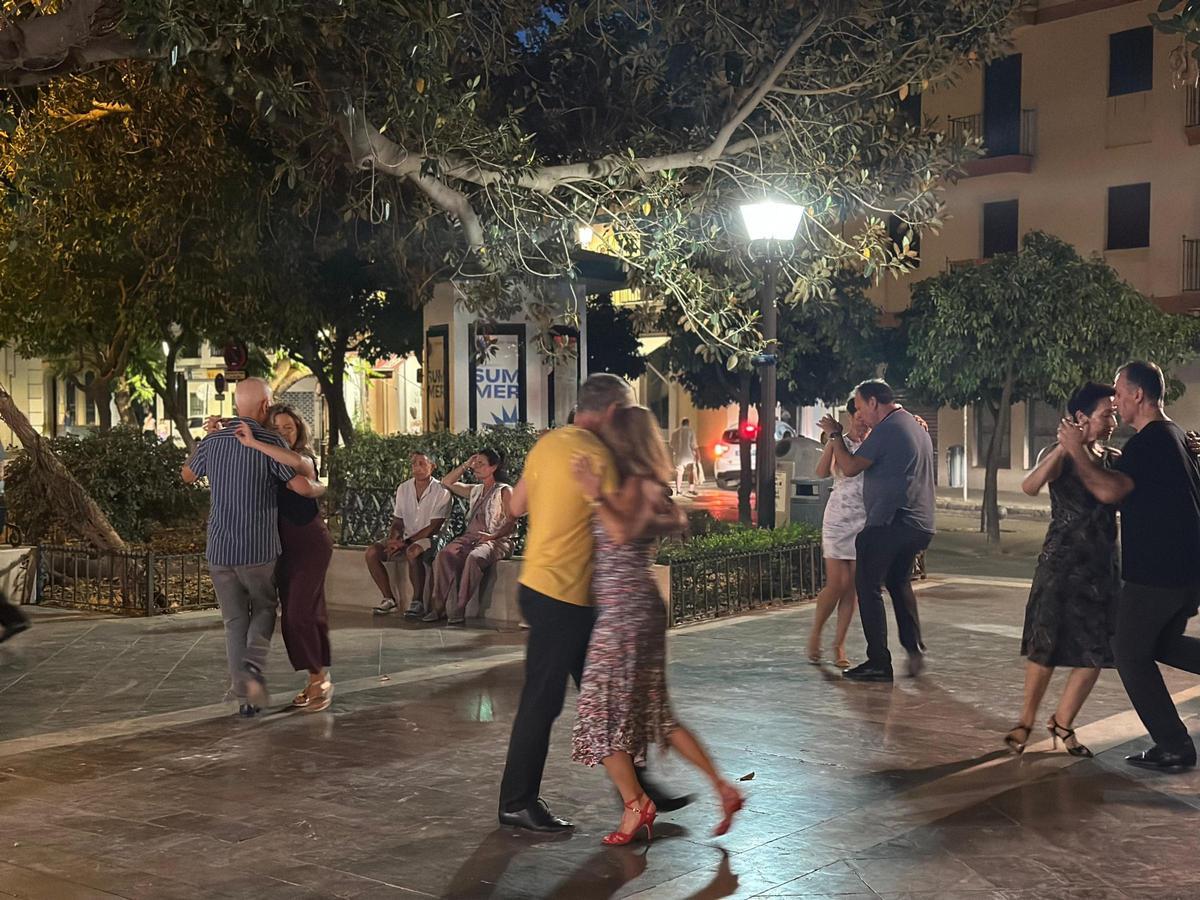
[898, 493]
[243, 538]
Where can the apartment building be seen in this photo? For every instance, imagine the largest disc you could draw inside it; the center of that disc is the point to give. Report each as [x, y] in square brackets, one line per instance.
[1086, 138]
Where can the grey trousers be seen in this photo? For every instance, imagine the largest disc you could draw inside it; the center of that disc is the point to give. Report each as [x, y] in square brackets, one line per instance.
[249, 602]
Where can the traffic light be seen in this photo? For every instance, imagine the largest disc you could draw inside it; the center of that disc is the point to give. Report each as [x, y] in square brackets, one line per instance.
[748, 431]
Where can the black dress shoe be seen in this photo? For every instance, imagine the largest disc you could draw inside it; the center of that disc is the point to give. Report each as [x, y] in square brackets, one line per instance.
[534, 818]
[869, 671]
[1158, 759]
[661, 800]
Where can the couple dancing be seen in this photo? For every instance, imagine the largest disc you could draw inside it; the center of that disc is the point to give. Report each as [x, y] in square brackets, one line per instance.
[266, 542]
[596, 496]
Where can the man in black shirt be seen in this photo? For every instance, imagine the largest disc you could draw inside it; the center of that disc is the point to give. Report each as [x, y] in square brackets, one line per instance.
[1157, 486]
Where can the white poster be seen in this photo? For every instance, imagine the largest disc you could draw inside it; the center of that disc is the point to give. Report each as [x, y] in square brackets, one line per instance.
[498, 381]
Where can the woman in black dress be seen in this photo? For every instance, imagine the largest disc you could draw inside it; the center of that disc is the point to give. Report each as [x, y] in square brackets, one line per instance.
[1077, 579]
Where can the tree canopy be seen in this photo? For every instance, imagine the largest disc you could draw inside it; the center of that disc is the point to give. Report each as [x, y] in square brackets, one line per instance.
[485, 132]
[827, 345]
[1030, 326]
[124, 225]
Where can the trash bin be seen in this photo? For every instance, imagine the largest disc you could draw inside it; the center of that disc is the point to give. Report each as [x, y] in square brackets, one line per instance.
[809, 496]
[956, 458]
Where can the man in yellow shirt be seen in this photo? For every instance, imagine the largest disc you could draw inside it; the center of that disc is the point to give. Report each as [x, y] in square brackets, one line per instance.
[555, 593]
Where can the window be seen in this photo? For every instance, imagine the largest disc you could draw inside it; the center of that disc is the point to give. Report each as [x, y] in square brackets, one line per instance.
[983, 437]
[897, 231]
[1128, 216]
[1041, 429]
[999, 228]
[1131, 61]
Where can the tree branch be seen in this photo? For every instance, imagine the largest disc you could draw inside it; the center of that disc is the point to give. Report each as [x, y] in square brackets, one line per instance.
[82, 35]
[455, 203]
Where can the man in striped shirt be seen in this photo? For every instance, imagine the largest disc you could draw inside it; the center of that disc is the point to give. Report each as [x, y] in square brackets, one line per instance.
[243, 537]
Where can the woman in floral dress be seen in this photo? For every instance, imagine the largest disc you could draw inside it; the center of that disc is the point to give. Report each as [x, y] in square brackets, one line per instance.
[623, 702]
[1078, 577]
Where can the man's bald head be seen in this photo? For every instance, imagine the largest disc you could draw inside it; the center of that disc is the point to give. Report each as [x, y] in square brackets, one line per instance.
[253, 399]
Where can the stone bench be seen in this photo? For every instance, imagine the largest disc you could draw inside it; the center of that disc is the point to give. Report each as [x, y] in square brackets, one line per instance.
[349, 584]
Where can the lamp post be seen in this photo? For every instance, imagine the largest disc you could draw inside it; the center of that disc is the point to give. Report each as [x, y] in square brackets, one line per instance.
[772, 225]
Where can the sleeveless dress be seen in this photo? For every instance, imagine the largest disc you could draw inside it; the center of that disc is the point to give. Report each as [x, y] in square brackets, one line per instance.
[845, 514]
[623, 704]
[1078, 578]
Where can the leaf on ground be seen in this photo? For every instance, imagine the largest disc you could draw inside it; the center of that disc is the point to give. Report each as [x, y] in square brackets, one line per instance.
[749, 777]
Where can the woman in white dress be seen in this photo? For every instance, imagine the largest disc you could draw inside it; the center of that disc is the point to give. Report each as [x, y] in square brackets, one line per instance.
[844, 518]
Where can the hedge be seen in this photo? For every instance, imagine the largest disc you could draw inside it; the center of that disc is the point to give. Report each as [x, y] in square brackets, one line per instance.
[737, 539]
[133, 478]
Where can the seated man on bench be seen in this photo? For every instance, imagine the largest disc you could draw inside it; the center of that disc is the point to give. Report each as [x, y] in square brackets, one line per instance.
[421, 509]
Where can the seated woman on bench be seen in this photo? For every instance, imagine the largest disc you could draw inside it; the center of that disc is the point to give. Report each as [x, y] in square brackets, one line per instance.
[460, 567]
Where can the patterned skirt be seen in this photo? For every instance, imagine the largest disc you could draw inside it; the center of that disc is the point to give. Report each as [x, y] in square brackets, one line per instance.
[623, 702]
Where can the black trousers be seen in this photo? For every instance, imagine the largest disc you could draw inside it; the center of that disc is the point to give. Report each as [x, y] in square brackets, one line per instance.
[556, 649]
[1149, 629]
[885, 558]
[10, 615]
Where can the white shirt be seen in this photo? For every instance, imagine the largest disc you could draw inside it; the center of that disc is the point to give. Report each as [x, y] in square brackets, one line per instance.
[417, 514]
[683, 445]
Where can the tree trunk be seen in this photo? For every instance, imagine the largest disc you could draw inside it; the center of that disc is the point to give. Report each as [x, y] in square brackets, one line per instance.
[99, 392]
[166, 392]
[331, 382]
[990, 513]
[76, 509]
[123, 398]
[746, 475]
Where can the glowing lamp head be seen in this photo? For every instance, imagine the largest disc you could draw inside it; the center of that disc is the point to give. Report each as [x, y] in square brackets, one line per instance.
[772, 220]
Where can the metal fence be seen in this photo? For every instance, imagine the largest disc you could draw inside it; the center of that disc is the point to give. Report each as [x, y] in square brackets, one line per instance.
[130, 582]
[723, 584]
[362, 516]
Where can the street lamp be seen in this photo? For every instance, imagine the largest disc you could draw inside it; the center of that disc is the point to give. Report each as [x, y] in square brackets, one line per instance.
[772, 225]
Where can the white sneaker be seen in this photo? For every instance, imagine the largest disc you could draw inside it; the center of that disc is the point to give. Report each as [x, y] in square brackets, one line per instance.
[387, 606]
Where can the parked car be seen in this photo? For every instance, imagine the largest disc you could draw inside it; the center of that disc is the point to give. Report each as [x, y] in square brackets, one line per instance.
[728, 451]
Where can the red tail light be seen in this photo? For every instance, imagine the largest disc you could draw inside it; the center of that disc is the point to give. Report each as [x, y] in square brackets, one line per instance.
[748, 431]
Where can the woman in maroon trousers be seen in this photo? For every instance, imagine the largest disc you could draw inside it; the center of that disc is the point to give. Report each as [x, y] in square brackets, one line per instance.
[307, 551]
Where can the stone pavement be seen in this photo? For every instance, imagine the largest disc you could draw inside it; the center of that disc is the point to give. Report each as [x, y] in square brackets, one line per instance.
[122, 773]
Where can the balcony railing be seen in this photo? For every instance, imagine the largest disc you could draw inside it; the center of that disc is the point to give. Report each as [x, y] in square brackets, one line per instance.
[1191, 264]
[964, 127]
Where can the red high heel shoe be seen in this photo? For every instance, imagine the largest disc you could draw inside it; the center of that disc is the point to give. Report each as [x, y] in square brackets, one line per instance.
[645, 820]
[732, 802]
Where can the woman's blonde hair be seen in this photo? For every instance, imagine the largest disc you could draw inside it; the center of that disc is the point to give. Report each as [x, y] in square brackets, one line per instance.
[637, 444]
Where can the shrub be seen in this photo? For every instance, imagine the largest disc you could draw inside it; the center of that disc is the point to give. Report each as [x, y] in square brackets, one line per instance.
[737, 539]
[133, 478]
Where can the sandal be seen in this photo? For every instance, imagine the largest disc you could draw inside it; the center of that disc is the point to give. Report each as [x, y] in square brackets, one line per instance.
[1015, 745]
[321, 701]
[1067, 736]
[301, 700]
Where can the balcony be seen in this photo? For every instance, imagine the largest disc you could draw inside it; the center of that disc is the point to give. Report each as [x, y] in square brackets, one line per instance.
[1191, 114]
[957, 265]
[1190, 280]
[1012, 155]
